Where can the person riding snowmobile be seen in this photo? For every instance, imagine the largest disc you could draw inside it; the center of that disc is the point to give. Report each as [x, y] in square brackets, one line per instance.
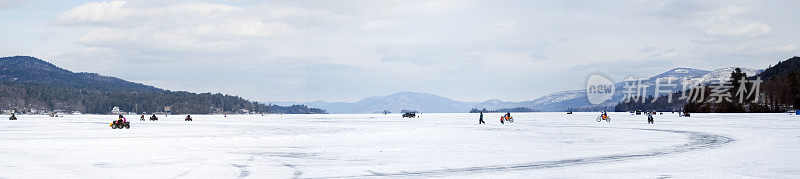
[13, 117]
[141, 118]
[508, 117]
[604, 115]
[121, 119]
[153, 117]
[188, 117]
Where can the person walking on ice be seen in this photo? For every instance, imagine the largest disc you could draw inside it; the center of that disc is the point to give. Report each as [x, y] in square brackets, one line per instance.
[480, 119]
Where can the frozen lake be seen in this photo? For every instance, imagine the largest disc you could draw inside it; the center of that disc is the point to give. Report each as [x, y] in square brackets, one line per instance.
[375, 145]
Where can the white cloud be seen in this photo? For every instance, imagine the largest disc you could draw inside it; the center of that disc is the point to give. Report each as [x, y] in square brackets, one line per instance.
[505, 26]
[423, 8]
[96, 12]
[656, 52]
[181, 27]
[729, 22]
[788, 48]
[723, 19]
[752, 29]
[382, 24]
[9, 3]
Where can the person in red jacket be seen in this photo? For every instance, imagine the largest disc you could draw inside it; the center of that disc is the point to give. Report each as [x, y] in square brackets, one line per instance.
[121, 119]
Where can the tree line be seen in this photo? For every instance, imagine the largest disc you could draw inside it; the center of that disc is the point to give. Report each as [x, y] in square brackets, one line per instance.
[33, 96]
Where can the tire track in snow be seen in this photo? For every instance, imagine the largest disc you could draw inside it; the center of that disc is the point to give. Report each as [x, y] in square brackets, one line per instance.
[697, 141]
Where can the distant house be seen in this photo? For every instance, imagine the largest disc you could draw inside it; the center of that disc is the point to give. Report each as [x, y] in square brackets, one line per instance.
[116, 110]
[8, 111]
[408, 111]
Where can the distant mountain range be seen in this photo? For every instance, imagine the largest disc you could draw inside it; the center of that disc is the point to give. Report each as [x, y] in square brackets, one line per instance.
[422, 102]
[575, 100]
[28, 84]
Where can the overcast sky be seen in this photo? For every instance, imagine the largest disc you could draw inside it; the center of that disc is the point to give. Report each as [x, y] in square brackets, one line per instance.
[348, 50]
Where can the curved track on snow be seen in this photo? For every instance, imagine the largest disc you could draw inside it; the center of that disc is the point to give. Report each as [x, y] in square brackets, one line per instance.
[697, 141]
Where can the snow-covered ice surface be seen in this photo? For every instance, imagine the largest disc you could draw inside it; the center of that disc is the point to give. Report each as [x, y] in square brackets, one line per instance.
[552, 145]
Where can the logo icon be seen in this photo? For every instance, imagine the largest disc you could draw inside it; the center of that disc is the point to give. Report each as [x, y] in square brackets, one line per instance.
[599, 89]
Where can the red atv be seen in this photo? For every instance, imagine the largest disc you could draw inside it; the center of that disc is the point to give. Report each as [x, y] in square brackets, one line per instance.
[119, 124]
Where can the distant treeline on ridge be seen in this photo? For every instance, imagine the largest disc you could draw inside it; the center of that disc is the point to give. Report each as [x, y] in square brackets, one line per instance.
[30, 84]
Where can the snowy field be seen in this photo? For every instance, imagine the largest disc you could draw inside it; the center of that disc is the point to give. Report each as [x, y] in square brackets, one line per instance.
[551, 145]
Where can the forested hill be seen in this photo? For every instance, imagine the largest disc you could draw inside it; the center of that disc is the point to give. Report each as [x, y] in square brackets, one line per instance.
[781, 69]
[782, 84]
[31, 84]
[778, 92]
[25, 69]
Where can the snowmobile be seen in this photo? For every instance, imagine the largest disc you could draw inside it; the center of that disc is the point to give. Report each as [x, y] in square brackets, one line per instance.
[409, 115]
[119, 124]
[603, 117]
[188, 118]
[507, 118]
[13, 118]
[153, 118]
[569, 112]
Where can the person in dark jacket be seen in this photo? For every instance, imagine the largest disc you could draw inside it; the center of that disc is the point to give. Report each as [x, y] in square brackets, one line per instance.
[480, 119]
[121, 119]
